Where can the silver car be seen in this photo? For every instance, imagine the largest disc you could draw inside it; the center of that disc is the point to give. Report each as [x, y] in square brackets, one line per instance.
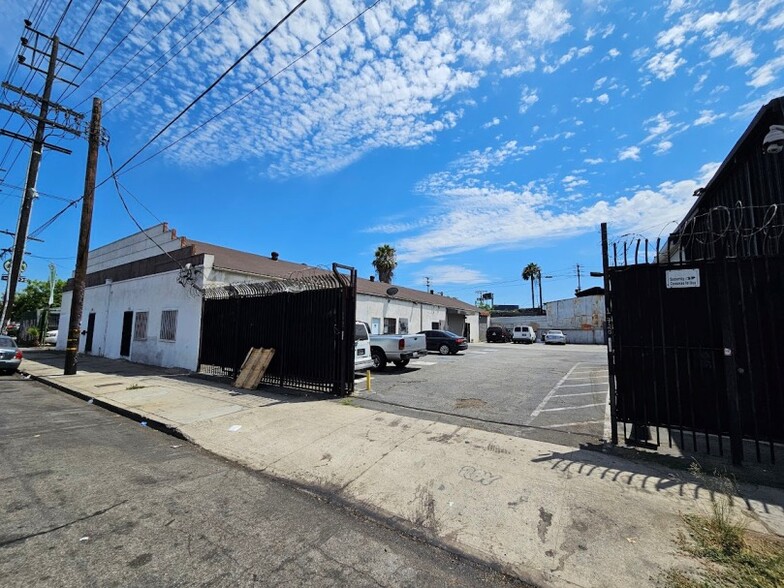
[10, 355]
[555, 337]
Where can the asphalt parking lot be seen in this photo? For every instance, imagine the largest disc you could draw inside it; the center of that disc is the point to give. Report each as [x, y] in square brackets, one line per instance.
[551, 393]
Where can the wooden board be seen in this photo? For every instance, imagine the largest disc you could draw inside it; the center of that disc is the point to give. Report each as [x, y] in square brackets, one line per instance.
[253, 368]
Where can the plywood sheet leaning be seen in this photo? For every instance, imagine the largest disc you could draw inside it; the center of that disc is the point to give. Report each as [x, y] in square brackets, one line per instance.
[253, 368]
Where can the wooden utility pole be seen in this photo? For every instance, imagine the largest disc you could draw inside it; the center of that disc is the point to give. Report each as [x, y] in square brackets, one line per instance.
[37, 141]
[32, 178]
[80, 274]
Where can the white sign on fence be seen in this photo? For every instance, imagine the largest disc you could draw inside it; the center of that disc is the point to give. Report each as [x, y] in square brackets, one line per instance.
[683, 278]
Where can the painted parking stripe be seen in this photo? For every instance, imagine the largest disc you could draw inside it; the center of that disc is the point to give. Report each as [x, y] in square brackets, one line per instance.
[417, 362]
[573, 424]
[581, 394]
[549, 395]
[571, 407]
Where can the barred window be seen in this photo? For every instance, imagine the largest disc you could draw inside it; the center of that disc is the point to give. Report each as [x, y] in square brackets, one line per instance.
[140, 328]
[168, 325]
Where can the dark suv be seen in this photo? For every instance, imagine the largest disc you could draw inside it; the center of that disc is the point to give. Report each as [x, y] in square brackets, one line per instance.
[498, 335]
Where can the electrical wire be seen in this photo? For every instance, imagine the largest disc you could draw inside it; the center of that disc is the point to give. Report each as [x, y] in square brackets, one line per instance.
[258, 87]
[209, 88]
[153, 74]
[113, 49]
[134, 56]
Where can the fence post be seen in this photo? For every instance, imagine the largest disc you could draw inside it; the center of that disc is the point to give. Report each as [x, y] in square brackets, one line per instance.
[730, 366]
[608, 335]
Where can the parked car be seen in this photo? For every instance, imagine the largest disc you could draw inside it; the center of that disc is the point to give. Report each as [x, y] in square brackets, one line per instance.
[498, 335]
[523, 334]
[398, 349]
[51, 337]
[554, 337]
[445, 342]
[10, 355]
[362, 357]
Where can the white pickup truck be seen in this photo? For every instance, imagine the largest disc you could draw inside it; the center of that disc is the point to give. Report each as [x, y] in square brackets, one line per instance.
[398, 349]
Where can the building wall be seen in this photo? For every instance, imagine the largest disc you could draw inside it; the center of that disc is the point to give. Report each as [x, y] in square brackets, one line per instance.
[133, 248]
[152, 294]
[581, 319]
[420, 316]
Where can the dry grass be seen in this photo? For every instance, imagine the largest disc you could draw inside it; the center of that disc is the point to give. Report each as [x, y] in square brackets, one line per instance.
[732, 556]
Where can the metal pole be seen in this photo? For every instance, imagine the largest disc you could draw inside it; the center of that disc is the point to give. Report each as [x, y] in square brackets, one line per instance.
[608, 335]
[80, 274]
[32, 178]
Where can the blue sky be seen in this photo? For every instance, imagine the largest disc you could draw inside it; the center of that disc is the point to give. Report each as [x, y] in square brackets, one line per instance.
[473, 136]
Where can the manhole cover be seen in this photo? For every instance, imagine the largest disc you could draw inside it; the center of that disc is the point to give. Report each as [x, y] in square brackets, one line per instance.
[469, 403]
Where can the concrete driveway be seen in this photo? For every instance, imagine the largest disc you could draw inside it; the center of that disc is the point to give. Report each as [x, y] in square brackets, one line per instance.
[552, 393]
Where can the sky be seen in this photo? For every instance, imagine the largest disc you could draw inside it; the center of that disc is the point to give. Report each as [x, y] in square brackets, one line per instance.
[473, 136]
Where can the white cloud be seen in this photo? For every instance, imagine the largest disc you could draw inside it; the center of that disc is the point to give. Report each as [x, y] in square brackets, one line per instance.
[527, 99]
[492, 217]
[492, 123]
[632, 153]
[740, 49]
[396, 77]
[767, 73]
[599, 83]
[613, 53]
[603, 98]
[707, 171]
[593, 160]
[664, 65]
[663, 147]
[707, 117]
[454, 274]
[573, 53]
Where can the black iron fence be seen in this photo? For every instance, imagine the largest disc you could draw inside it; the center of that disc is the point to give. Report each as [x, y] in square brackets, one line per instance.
[308, 321]
[695, 330]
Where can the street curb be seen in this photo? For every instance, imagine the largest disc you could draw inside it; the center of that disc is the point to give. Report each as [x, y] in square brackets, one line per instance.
[333, 497]
[129, 414]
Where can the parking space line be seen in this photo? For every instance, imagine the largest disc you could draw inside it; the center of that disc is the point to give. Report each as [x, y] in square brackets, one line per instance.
[594, 377]
[581, 394]
[571, 407]
[573, 424]
[417, 362]
[550, 394]
[577, 385]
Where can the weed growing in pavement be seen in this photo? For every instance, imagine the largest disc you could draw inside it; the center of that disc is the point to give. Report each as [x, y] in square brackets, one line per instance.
[135, 387]
[733, 556]
[347, 401]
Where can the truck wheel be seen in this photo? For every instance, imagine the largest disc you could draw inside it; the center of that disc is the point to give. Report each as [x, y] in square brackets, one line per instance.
[379, 359]
[444, 349]
[401, 363]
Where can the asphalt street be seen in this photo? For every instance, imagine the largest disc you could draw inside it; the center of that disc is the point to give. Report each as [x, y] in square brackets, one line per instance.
[557, 394]
[90, 498]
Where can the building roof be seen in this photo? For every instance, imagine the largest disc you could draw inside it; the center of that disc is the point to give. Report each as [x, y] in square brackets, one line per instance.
[748, 147]
[263, 266]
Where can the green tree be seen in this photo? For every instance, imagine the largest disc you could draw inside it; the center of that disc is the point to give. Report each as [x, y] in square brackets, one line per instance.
[35, 296]
[532, 272]
[385, 263]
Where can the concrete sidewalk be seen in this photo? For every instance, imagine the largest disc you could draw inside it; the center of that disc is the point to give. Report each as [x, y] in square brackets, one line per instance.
[549, 514]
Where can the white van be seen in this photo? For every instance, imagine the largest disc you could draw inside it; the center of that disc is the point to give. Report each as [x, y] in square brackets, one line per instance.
[362, 358]
[523, 334]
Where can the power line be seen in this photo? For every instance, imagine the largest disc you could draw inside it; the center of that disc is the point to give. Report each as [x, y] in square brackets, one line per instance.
[209, 88]
[256, 88]
[135, 55]
[145, 80]
[113, 49]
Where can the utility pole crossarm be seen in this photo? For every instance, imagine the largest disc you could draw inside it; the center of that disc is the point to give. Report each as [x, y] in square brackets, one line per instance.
[19, 137]
[23, 113]
[37, 98]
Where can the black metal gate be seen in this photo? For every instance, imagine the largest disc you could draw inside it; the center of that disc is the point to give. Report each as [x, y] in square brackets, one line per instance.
[695, 337]
[308, 321]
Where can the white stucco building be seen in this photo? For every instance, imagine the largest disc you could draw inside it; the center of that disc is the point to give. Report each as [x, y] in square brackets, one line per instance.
[140, 304]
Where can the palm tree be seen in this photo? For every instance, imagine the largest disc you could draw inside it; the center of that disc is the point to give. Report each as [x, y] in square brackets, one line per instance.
[532, 272]
[385, 263]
